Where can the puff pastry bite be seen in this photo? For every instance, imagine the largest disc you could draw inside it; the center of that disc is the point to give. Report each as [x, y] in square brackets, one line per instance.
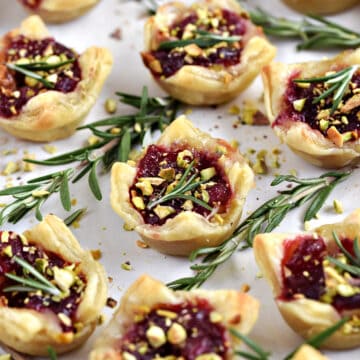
[153, 321]
[320, 6]
[58, 11]
[197, 70]
[311, 290]
[63, 313]
[307, 119]
[51, 107]
[185, 192]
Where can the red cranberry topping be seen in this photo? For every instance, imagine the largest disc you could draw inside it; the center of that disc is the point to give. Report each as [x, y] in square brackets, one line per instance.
[302, 268]
[32, 4]
[202, 335]
[158, 158]
[15, 88]
[13, 245]
[228, 55]
[343, 122]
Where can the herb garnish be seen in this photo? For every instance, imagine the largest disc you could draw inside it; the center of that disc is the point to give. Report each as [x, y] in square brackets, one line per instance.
[203, 39]
[38, 282]
[30, 68]
[264, 219]
[353, 267]
[122, 133]
[313, 31]
[338, 82]
[180, 191]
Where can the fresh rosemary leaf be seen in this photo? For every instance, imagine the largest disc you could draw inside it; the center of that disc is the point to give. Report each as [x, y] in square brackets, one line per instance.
[354, 270]
[313, 32]
[74, 216]
[355, 261]
[266, 217]
[38, 214]
[340, 81]
[203, 40]
[93, 181]
[317, 340]
[65, 194]
[260, 353]
[43, 66]
[125, 146]
[17, 190]
[52, 353]
[31, 74]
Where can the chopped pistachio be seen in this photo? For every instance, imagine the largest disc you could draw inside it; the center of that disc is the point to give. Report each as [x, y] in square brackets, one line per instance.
[153, 180]
[53, 78]
[167, 173]
[30, 81]
[138, 202]
[156, 336]
[110, 106]
[323, 124]
[145, 187]
[205, 196]
[64, 278]
[8, 251]
[41, 264]
[163, 211]
[347, 290]
[50, 149]
[181, 158]
[234, 110]
[209, 356]
[187, 205]
[39, 193]
[215, 317]
[207, 174]
[5, 237]
[10, 168]
[303, 85]
[176, 334]
[338, 206]
[299, 104]
[93, 139]
[166, 313]
[64, 319]
[126, 266]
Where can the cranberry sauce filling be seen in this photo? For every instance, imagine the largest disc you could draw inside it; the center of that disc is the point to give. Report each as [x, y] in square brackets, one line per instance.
[167, 63]
[47, 263]
[16, 89]
[306, 272]
[185, 330]
[298, 106]
[32, 4]
[302, 269]
[161, 169]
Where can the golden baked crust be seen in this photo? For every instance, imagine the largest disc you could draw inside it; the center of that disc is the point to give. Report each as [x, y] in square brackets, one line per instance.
[308, 143]
[52, 114]
[306, 316]
[320, 6]
[59, 11]
[188, 230]
[238, 311]
[31, 332]
[307, 352]
[199, 85]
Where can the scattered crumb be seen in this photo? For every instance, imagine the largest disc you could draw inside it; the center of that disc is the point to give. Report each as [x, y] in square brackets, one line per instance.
[141, 244]
[93, 140]
[126, 266]
[338, 207]
[307, 226]
[188, 111]
[50, 149]
[251, 113]
[259, 275]
[116, 34]
[293, 172]
[110, 302]
[73, 201]
[245, 288]
[110, 279]
[101, 319]
[10, 168]
[96, 254]
[234, 110]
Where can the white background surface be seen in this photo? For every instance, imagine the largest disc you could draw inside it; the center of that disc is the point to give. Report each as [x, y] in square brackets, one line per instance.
[102, 229]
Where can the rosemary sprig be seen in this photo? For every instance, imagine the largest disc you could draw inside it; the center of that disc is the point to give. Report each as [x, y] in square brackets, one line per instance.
[52, 353]
[203, 39]
[186, 184]
[30, 74]
[38, 282]
[314, 32]
[353, 267]
[121, 134]
[260, 354]
[44, 66]
[264, 219]
[30, 68]
[338, 82]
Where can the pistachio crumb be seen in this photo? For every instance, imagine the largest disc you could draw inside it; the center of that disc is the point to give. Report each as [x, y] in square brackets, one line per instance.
[338, 207]
[110, 106]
